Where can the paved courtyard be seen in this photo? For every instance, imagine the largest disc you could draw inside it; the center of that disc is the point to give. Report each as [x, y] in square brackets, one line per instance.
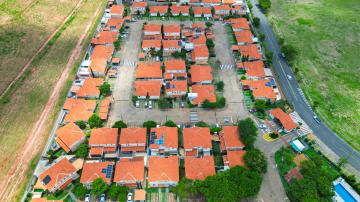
[123, 109]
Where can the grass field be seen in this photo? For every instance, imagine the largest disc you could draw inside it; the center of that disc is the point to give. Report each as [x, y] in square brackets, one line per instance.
[23, 107]
[326, 34]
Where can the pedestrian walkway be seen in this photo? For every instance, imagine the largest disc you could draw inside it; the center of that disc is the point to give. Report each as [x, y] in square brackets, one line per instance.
[227, 66]
[128, 63]
[305, 129]
[194, 117]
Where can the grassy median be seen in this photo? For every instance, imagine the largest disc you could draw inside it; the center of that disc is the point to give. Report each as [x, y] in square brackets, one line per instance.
[326, 36]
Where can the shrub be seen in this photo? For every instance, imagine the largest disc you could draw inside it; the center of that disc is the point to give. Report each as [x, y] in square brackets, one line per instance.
[149, 124]
[95, 121]
[210, 43]
[98, 187]
[119, 125]
[79, 191]
[274, 135]
[82, 151]
[163, 103]
[201, 124]
[105, 89]
[220, 85]
[220, 102]
[265, 4]
[170, 123]
[81, 124]
[243, 77]
[255, 160]
[256, 21]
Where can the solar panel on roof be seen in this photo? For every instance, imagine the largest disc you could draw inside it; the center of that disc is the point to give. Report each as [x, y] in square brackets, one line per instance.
[104, 170]
[173, 86]
[167, 85]
[47, 179]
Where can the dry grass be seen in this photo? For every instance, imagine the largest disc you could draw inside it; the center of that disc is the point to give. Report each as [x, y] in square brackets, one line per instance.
[24, 26]
[19, 114]
[326, 34]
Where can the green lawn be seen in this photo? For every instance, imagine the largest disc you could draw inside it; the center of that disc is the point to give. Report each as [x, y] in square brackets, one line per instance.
[326, 166]
[326, 35]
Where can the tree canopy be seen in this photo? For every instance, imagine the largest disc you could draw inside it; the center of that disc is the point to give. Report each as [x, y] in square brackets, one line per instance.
[265, 4]
[80, 191]
[105, 89]
[247, 131]
[255, 160]
[82, 151]
[115, 191]
[163, 103]
[95, 121]
[201, 124]
[98, 187]
[149, 124]
[170, 123]
[119, 125]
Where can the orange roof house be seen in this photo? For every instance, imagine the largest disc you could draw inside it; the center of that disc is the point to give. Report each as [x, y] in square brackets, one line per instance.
[103, 141]
[229, 138]
[172, 31]
[94, 170]
[239, 24]
[201, 74]
[90, 88]
[176, 88]
[200, 54]
[158, 10]
[149, 70]
[254, 69]
[163, 140]
[199, 40]
[240, 9]
[151, 89]
[284, 118]
[129, 171]
[261, 89]
[202, 12]
[234, 158]
[212, 2]
[105, 37]
[204, 92]
[176, 10]
[149, 44]
[197, 139]
[222, 10]
[114, 24]
[199, 168]
[133, 139]
[117, 11]
[79, 109]
[100, 58]
[250, 51]
[244, 37]
[163, 172]
[152, 31]
[69, 137]
[175, 66]
[138, 7]
[104, 109]
[170, 46]
[59, 175]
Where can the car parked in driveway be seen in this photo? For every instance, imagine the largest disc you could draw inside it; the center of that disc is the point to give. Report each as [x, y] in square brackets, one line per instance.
[137, 104]
[129, 197]
[150, 104]
[87, 198]
[102, 198]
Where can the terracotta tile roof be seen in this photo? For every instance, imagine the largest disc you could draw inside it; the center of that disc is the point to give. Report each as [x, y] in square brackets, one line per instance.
[171, 28]
[200, 51]
[99, 151]
[158, 9]
[146, 44]
[148, 70]
[222, 7]
[239, 23]
[69, 135]
[176, 86]
[147, 88]
[179, 9]
[152, 28]
[90, 88]
[230, 136]
[100, 56]
[129, 170]
[211, 1]
[44, 200]
[253, 69]
[240, 8]
[171, 44]
[284, 119]
[105, 37]
[244, 36]
[198, 25]
[103, 137]
[250, 51]
[199, 168]
[169, 135]
[174, 64]
[117, 9]
[133, 136]
[115, 22]
[140, 195]
[199, 40]
[93, 170]
[234, 158]
[53, 176]
[202, 10]
[201, 73]
[169, 76]
[79, 109]
[204, 92]
[141, 4]
[196, 137]
[104, 109]
[163, 169]
[293, 174]
[228, 1]
[259, 88]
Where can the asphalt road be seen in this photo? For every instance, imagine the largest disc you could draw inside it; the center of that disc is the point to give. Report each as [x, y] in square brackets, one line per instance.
[293, 94]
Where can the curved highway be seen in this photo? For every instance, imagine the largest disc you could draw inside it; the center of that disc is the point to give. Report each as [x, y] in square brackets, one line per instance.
[294, 95]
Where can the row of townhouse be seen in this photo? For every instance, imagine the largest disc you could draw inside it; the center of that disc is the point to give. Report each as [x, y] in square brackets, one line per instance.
[184, 10]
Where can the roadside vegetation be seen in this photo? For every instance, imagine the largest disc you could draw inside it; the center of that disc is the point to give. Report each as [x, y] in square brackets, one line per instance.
[321, 41]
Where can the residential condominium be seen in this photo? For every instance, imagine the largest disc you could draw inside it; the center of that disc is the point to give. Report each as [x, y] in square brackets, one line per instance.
[163, 141]
[163, 171]
[197, 141]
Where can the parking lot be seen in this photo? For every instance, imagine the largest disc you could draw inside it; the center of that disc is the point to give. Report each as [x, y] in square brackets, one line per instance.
[123, 108]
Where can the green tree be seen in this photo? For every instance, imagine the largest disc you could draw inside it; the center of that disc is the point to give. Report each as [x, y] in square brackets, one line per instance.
[220, 102]
[208, 105]
[265, 4]
[80, 191]
[82, 151]
[117, 44]
[215, 129]
[342, 162]
[170, 123]
[256, 21]
[260, 105]
[81, 124]
[163, 103]
[184, 188]
[220, 85]
[247, 131]
[105, 89]
[98, 187]
[95, 121]
[119, 125]
[149, 124]
[208, 24]
[210, 43]
[115, 191]
[201, 124]
[255, 160]
[289, 51]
